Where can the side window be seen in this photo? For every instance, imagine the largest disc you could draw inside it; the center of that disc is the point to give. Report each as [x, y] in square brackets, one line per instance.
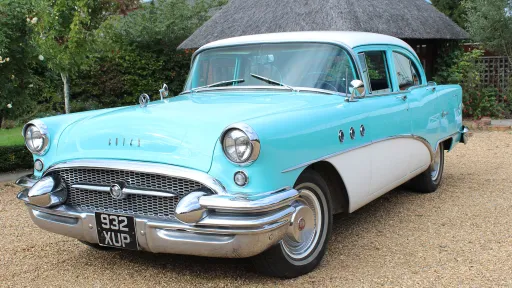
[406, 71]
[376, 71]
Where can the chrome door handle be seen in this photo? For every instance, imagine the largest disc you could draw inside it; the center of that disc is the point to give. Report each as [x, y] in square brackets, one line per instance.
[403, 97]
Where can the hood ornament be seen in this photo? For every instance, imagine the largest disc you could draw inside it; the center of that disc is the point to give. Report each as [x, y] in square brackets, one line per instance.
[144, 100]
[164, 92]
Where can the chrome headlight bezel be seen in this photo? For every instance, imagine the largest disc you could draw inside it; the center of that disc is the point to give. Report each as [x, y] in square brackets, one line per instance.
[254, 143]
[39, 125]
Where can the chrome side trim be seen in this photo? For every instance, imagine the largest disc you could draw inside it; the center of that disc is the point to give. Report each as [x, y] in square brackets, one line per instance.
[126, 190]
[411, 136]
[153, 168]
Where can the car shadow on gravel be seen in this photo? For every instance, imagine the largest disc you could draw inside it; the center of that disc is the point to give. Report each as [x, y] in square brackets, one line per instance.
[345, 228]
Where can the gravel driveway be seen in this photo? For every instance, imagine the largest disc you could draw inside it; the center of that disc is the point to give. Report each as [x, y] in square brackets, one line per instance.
[459, 236]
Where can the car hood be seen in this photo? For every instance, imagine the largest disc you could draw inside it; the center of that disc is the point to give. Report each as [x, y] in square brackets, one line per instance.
[180, 131]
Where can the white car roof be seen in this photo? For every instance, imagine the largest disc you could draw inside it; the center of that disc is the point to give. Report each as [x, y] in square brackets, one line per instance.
[348, 38]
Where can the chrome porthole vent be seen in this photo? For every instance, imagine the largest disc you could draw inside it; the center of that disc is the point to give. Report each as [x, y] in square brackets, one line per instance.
[352, 133]
[362, 130]
[341, 136]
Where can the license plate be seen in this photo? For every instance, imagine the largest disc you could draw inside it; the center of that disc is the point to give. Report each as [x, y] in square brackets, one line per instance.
[116, 231]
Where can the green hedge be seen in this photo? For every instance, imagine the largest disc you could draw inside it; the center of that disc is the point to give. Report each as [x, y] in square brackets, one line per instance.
[15, 158]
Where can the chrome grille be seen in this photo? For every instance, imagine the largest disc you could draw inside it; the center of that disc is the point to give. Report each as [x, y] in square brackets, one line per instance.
[142, 205]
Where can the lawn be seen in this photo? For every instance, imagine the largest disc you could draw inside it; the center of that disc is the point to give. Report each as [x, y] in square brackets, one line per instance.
[11, 137]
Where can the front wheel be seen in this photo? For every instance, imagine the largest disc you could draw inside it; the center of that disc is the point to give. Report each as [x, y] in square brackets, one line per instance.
[304, 245]
[430, 180]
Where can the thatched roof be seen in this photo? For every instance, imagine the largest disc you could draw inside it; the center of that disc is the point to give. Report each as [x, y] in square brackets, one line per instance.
[405, 19]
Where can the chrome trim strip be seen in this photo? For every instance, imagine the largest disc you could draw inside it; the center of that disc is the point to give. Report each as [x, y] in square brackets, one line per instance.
[126, 190]
[152, 168]
[342, 45]
[253, 137]
[416, 137]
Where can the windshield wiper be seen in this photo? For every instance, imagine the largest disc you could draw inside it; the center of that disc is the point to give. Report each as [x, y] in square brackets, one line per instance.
[217, 84]
[273, 82]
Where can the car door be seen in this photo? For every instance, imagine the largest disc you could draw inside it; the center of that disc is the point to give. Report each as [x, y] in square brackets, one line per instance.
[389, 117]
[423, 97]
[422, 100]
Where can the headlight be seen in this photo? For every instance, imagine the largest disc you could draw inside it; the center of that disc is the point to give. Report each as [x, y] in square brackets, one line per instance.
[36, 137]
[240, 143]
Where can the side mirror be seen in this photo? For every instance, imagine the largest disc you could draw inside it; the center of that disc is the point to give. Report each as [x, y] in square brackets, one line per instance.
[357, 90]
[164, 92]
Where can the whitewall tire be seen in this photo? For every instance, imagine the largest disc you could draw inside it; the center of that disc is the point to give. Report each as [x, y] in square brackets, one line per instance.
[303, 248]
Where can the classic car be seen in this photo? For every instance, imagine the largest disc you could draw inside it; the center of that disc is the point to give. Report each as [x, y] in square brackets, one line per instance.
[272, 135]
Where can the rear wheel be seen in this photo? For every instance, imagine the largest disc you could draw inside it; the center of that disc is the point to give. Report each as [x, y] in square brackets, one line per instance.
[304, 245]
[430, 180]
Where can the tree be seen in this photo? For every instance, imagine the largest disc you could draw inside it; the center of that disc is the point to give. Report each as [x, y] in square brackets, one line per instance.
[490, 23]
[453, 9]
[65, 32]
[16, 60]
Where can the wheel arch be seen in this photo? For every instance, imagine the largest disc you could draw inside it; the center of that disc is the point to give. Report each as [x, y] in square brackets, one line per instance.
[338, 191]
[447, 144]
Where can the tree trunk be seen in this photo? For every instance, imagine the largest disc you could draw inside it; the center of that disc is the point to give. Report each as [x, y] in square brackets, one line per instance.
[65, 80]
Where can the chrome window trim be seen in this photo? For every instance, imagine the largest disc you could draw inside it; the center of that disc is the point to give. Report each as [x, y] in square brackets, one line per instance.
[146, 167]
[406, 136]
[253, 137]
[298, 89]
[349, 50]
[44, 131]
[393, 52]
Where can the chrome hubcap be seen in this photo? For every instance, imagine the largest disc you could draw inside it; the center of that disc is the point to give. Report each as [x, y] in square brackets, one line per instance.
[436, 165]
[303, 232]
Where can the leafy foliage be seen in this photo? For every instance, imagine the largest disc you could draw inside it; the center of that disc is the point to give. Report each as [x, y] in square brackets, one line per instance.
[479, 101]
[490, 23]
[136, 53]
[15, 158]
[16, 60]
[65, 32]
[453, 9]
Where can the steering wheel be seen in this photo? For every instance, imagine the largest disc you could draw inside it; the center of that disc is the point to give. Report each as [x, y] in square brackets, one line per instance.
[323, 83]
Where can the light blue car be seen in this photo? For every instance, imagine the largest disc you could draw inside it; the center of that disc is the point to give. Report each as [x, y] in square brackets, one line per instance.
[272, 136]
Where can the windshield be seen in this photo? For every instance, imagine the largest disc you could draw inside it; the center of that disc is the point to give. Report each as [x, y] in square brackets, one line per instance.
[300, 65]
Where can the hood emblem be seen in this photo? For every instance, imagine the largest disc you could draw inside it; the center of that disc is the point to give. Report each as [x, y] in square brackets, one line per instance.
[144, 100]
[116, 191]
[117, 142]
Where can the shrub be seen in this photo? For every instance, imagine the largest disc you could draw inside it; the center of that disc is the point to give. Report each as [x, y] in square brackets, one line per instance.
[14, 158]
[464, 68]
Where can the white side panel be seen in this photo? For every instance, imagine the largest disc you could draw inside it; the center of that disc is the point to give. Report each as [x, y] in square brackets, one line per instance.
[373, 170]
[355, 168]
[394, 159]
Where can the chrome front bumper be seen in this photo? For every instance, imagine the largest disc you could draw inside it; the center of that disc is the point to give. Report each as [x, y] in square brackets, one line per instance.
[229, 226]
